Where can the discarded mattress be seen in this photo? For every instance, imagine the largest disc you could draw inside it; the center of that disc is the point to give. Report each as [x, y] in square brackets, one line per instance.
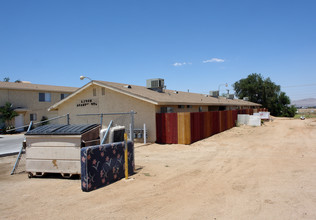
[104, 164]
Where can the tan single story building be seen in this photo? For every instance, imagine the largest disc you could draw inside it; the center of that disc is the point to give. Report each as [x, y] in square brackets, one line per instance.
[31, 101]
[108, 97]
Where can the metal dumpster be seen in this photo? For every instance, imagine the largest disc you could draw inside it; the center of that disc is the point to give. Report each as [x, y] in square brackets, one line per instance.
[56, 148]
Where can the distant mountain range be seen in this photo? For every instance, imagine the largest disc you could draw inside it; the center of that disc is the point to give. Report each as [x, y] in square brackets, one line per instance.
[311, 102]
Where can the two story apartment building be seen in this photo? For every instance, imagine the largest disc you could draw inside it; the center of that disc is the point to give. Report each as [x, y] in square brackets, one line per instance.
[31, 101]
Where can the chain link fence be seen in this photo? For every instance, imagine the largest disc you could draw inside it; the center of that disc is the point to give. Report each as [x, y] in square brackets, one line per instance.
[125, 119]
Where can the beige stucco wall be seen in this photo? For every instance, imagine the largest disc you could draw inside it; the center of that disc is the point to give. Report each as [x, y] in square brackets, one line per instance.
[28, 101]
[110, 102]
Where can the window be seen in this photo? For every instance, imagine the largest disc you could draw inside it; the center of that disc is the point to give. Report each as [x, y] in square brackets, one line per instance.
[44, 97]
[94, 92]
[62, 96]
[181, 106]
[33, 117]
[200, 109]
[166, 109]
[222, 108]
[103, 91]
[189, 106]
[169, 109]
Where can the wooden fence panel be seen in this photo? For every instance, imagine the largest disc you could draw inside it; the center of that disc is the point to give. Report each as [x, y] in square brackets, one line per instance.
[171, 121]
[229, 119]
[201, 118]
[184, 128]
[235, 113]
[160, 128]
[215, 125]
[222, 121]
[207, 124]
[197, 126]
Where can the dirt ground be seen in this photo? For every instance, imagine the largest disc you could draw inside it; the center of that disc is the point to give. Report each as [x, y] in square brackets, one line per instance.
[266, 172]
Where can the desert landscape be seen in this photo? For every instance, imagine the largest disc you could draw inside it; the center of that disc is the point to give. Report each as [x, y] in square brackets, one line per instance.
[266, 172]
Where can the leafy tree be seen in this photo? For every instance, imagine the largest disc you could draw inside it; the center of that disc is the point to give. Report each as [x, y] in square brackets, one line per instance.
[7, 113]
[266, 93]
[6, 79]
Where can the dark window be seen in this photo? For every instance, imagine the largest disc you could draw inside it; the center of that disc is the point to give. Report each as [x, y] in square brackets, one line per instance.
[166, 109]
[222, 108]
[62, 96]
[169, 109]
[33, 117]
[41, 97]
[44, 97]
[163, 109]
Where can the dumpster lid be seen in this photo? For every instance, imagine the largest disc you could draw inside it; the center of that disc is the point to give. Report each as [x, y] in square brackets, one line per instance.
[62, 129]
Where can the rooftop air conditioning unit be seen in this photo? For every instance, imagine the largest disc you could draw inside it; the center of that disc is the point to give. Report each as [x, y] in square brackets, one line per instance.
[246, 99]
[155, 84]
[214, 93]
[230, 96]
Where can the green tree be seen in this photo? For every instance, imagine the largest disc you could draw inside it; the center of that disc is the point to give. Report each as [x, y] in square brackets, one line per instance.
[266, 93]
[7, 113]
[6, 79]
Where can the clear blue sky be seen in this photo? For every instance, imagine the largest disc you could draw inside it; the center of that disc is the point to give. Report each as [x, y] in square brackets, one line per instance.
[195, 45]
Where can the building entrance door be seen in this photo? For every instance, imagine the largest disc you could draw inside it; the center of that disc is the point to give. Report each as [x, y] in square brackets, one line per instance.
[19, 122]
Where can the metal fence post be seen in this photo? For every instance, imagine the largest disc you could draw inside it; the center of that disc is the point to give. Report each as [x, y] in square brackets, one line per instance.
[130, 131]
[107, 132]
[101, 120]
[68, 119]
[132, 139]
[145, 133]
[125, 156]
[132, 125]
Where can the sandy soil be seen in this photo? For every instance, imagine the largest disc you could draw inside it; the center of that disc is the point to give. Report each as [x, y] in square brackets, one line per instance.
[266, 172]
